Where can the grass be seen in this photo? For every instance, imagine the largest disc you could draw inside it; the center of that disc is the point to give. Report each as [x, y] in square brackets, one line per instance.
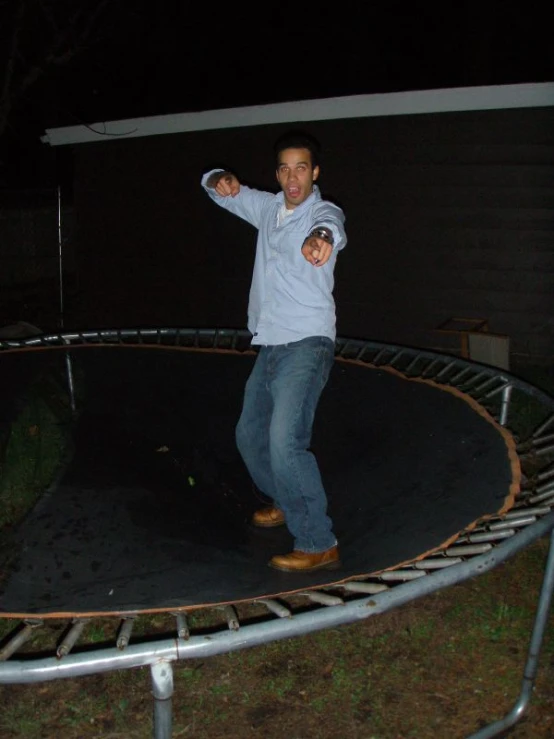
[32, 452]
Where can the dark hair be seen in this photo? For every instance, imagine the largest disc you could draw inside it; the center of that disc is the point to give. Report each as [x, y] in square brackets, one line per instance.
[298, 140]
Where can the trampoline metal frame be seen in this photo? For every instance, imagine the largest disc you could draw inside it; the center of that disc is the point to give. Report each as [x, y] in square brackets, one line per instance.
[475, 551]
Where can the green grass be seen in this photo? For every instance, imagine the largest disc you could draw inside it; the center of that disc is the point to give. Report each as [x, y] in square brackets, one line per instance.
[32, 453]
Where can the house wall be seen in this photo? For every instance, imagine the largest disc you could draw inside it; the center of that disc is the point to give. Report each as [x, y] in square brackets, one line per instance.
[448, 215]
[30, 256]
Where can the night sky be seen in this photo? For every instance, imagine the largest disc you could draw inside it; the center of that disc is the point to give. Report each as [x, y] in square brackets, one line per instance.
[173, 57]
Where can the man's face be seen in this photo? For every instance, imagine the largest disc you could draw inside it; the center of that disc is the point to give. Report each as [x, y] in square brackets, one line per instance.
[296, 175]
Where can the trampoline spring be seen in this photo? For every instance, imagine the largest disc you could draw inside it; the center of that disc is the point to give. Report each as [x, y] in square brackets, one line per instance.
[411, 365]
[323, 598]
[399, 354]
[546, 474]
[544, 425]
[460, 375]
[109, 336]
[524, 449]
[231, 616]
[125, 631]
[396, 575]
[525, 499]
[162, 334]
[71, 637]
[467, 550]
[149, 333]
[378, 357]
[531, 442]
[36, 342]
[491, 535]
[530, 511]
[275, 607]
[495, 390]
[533, 449]
[445, 370]
[523, 521]
[183, 631]
[372, 588]
[339, 346]
[356, 346]
[525, 454]
[478, 375]
[86, 336]
[428, 370]
[542, 439]
[21, 637]
[539, 451]
[545, 489]
[546, 498]
[203, 336]
[361, 355]
[518, 512]
[437, 563]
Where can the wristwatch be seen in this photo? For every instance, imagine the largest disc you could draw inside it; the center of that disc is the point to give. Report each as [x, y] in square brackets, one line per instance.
[322, 232]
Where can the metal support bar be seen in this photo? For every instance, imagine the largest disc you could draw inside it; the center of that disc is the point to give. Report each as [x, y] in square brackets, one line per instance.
[162, 690]
[505, 404]
[70, 382]
[60, 258]
[531, 666]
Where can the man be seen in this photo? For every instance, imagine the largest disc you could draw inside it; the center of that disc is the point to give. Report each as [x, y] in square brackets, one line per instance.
[291, 315]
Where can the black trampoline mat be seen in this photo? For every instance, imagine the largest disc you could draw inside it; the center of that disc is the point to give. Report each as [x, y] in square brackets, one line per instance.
[152, 512]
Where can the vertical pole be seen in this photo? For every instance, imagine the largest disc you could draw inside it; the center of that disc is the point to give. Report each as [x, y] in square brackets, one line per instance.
[60, 257]
[70, 383]
[531, 666]
[505, 404]
[162, 690]
[68, 364]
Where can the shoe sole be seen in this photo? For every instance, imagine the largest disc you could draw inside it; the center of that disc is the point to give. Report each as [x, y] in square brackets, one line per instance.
[270, 525]
[326, 566]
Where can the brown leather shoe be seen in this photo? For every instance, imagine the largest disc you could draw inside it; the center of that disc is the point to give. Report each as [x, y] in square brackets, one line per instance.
[268, 517]
[298, 561]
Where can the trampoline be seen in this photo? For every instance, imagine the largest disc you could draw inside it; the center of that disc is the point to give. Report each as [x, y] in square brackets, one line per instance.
[150, 513]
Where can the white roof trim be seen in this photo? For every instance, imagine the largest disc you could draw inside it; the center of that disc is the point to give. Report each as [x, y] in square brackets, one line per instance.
[531, 95]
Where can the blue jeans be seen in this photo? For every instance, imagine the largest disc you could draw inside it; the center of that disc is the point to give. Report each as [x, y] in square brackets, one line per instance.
[274, 432]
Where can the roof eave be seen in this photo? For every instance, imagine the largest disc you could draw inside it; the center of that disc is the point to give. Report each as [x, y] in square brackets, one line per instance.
[525, 95]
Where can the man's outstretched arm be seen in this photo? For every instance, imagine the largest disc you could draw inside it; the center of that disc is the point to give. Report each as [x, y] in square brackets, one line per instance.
[224, 183]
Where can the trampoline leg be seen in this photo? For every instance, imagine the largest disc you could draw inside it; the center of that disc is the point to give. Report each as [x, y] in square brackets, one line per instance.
[531, 666]
[162, 690]
[70, 383]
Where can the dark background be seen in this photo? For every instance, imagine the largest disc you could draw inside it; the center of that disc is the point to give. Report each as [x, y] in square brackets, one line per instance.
[448, 215]
[70, 63]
